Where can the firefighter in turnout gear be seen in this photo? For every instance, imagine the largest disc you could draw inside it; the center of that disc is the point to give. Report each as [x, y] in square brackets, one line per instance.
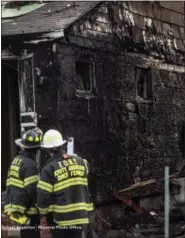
[20, 200]
[63, 189]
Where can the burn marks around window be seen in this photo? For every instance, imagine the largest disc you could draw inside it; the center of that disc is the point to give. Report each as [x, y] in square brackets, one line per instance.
[144, 83]
[85, 77]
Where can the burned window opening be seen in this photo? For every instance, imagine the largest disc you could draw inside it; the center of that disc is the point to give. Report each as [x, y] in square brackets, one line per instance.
[84, 76]
[144, 83]
[182, 139]
[27, 84]
[110, 12]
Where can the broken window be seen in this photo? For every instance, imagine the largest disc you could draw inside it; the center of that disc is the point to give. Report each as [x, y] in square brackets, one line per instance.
[144, 83]
[110, 12]
[84, 76]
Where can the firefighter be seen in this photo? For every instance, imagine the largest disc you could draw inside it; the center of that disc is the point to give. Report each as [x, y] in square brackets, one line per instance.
[21, 185]
[62, 193]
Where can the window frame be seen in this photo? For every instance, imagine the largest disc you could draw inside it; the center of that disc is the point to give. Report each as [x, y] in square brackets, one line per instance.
[92, 77]
[148, 70]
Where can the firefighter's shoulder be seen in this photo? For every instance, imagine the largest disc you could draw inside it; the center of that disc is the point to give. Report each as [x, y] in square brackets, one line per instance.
[79, 159]
[49, 165]
[74, 156]
[82, 159]
[22, 161]
[28, 162]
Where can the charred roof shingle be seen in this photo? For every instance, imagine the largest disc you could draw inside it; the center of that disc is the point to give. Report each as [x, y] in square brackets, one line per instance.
[52, 17]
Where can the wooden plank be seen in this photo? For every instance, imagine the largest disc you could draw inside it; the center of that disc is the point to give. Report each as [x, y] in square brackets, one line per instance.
[91, 43]
[172, 17]
[176, 6]
[96, 35]
[143, 184]
[102, 17]
[96, 26]
[138, 185]
[101, 26]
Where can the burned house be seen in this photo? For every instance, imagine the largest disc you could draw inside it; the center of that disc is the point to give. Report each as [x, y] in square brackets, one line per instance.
[110, 74]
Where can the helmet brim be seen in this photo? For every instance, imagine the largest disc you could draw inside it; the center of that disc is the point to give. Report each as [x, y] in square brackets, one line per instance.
[19, 143]
[47, 147]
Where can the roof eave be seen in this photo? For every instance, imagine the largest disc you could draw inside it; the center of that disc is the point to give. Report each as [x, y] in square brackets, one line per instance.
[36, 38]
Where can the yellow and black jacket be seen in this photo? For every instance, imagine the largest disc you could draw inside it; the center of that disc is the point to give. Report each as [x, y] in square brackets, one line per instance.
[63, 190]
[21, 185]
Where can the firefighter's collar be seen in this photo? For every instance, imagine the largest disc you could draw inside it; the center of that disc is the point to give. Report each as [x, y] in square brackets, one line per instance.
[30, 154]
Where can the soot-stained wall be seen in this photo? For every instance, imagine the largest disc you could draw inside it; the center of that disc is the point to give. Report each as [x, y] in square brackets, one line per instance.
[45, 77]
[126, 139]
[46, 85]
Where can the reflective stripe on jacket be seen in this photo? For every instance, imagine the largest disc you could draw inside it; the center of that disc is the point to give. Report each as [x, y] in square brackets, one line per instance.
[63, 190]
[21, 185]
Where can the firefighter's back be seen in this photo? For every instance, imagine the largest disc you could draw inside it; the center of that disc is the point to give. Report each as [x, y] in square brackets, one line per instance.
[66, 180]
[22, 174]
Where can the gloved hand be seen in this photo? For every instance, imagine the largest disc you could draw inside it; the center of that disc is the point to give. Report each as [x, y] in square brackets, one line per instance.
[12, 216]
[9, 213]
[18, 218]
[16, 214]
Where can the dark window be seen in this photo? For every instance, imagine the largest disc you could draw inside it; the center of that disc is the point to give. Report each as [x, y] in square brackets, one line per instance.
[84, 76]
[144, 83]
[110, 13]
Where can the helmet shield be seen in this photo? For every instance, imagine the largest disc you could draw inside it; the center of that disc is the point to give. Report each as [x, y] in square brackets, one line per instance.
[31, 139]
[52, 139]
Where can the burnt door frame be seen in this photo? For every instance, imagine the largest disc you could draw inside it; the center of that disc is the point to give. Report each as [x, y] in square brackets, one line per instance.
[11, 112]
[32, 115]
[28, 116]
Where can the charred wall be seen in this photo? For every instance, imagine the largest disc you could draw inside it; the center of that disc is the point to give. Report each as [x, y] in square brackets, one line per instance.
[46, 84]
[46, 73]
[125, 138]
[45, 76]
[137, 136]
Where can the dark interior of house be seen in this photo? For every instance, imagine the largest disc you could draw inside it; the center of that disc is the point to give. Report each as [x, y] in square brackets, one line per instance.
[10, 115]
